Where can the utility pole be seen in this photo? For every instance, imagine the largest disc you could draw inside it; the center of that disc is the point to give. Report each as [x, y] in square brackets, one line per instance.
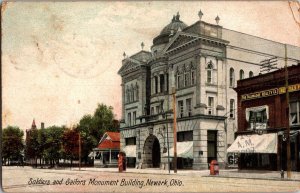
[174, 130]
[288, 141]
[79, 149]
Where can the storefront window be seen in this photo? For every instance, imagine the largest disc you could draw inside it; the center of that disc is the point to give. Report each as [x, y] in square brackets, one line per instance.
[295, 113]
[257, 117]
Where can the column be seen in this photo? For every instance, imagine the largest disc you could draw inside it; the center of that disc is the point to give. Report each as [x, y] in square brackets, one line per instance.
[110, 156]
[123, 100]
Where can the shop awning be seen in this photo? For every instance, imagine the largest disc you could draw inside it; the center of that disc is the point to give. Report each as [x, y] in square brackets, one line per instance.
[265, 143]
[130, 150]
[184, 150]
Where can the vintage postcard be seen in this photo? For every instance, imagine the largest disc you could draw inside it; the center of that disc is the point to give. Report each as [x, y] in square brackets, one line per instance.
[150, 96]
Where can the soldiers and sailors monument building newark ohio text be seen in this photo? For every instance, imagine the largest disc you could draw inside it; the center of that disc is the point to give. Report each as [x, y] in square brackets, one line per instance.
[202, 63]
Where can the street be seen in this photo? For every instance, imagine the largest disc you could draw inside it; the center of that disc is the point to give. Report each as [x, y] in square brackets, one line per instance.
[26, 179]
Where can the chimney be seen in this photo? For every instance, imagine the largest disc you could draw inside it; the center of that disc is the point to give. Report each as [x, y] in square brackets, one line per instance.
[42, 125]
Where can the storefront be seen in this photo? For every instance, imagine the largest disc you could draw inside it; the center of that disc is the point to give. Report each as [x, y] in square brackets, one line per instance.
[263, 115]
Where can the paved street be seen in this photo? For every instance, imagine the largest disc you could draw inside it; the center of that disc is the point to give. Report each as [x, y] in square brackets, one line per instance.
[19, 179]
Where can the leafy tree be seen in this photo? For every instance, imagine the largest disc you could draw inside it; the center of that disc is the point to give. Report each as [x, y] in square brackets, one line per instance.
[41, 144]
[53, 145]
[32, 145]
[70, 144]
[12, 143]
[93, 127]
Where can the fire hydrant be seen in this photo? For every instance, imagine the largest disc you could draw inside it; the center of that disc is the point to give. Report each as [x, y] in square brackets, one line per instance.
[282, 174]
[214, 167]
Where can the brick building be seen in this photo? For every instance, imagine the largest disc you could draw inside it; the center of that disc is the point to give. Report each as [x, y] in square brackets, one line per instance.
[262, 118]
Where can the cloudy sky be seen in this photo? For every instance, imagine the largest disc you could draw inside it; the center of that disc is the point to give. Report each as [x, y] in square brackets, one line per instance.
[59, 59]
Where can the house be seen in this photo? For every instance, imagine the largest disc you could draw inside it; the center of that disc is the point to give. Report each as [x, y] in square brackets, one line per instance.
[106, 153]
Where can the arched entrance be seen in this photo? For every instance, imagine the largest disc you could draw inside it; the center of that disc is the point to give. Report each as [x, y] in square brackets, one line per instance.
[152, 152]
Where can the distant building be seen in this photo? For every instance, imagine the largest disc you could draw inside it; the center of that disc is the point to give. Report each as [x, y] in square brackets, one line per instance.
[106, 153]
[262, 116]
[202, 62]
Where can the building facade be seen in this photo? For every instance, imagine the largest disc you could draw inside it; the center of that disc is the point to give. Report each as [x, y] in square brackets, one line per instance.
[201, 64]
[263, 116]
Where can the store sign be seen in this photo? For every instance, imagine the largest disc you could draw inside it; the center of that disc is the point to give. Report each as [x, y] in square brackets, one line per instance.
[270, 92]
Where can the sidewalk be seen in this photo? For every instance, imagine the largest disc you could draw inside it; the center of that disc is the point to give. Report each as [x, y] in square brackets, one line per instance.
[228, 173]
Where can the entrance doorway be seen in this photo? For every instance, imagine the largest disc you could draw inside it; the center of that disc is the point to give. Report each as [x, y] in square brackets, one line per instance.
[152, 152]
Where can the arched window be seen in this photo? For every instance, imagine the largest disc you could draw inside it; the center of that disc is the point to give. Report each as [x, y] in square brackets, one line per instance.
[231, 77]
[186, 78]
[127, 95]
[231, 108]
[162, 82]
[242, 74]
[210, 73]
[179, 80]
[132, 91]
[193, 74]
[251, 74]
[155, 84]
[137, 91]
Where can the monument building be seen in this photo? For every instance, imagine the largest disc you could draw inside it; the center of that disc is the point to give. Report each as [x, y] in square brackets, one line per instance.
[199, 64]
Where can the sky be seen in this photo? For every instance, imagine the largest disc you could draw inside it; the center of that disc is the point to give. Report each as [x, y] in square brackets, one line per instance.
[60, 59]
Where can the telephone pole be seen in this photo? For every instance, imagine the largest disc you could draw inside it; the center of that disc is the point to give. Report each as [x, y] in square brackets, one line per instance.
[288, 141]
[174, 130]
[79, 149]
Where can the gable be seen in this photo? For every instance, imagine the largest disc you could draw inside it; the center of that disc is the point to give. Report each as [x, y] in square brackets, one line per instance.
[129, 65]
[180, 39]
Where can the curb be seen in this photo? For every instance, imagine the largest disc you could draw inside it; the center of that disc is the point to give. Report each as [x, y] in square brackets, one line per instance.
[273, 179]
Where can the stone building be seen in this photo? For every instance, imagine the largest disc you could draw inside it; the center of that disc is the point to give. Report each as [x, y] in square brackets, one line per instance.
[202, 62]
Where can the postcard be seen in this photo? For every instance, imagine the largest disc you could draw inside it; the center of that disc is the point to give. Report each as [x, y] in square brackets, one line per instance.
[150, 96]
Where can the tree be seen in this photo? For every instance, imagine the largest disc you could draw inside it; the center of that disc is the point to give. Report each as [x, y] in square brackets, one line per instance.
[91, 128]
[53, 145]
[41, 144]
[32, 145]
[70, 144]
[12, 143]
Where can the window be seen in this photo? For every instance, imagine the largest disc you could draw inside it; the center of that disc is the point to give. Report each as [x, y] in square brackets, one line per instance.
[134, 117]
[295, 113]
[231, 77]
[162, 83]
[167, 82]
[157, 109]
[155, 84]
[137, 91]
[210, 105]
[211, 145]
[241, 74]
[193, 79]
[185, 136]
[129, 119]
[209, 72]
[180, 109]
[152, 111]
[179, 81]
[189, 107]
[130, 141]
[257, 117]
[231, 115]
[186, 79]
[251, 74]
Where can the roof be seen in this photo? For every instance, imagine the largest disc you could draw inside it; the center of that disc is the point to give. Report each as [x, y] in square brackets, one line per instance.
[174, 25]
[115, 136]
[110, 140]
[108, 144]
